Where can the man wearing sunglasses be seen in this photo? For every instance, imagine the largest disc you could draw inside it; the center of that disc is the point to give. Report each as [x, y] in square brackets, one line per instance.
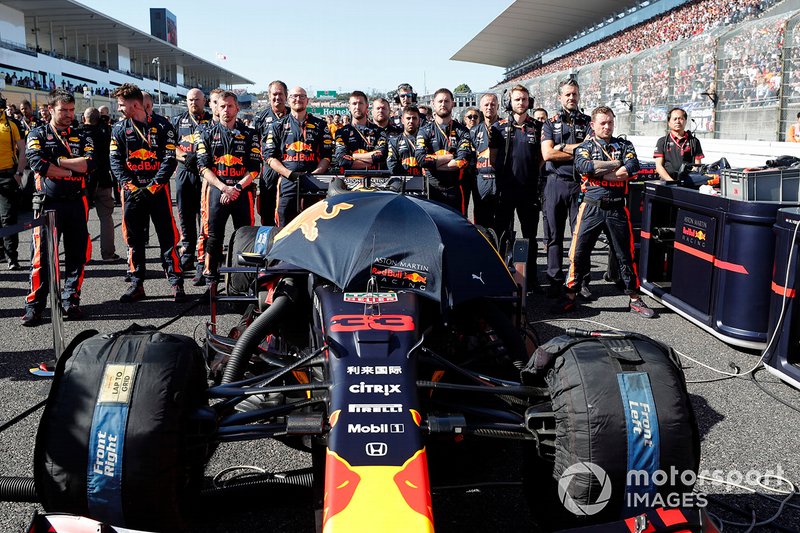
[405, 97]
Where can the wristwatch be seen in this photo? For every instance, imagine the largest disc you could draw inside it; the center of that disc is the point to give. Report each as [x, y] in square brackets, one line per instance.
[561, 147]
[238, 187]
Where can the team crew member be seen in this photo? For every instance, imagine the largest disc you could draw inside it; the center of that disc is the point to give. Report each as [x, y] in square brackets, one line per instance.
[335, 124]
[380, 117]
[560, 136]
[229, 160]
[605, 164]
[296, 145]
[60, 157]
[486, 141]
[677, 148]
[405, 97]
[401, 160]
[540, 114]
[518, 163]
[12, 165]
[187, 180]
[143, 159]
[101, 184]
[444, 150]
[359, 145]
[213, 98]
[268, 180]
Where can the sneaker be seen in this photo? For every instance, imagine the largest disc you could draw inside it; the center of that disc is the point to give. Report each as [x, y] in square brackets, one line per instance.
[198, 280]
[641, 308]
[586, 293]
[127, 277]
[178, 294]
[187, 265]
[565, 304]
[14, 265]
[72, 311]
[32, 318]
[113, 258]
[134, 293]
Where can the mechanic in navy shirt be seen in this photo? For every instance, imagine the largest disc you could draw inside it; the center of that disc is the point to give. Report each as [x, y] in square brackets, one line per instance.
[296, 145]
[519, 173]
[605, 164]
[444, 149]
[560, 136]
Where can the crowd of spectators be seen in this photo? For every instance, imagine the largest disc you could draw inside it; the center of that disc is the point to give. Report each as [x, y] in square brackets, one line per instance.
[690, 19]
[751, 66]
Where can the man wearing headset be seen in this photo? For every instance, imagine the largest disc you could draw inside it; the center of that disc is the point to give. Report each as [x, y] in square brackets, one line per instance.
[518, 161]
[405, 97]
[560, 136]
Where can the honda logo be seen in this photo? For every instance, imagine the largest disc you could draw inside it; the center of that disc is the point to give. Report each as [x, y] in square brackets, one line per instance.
[377, 449]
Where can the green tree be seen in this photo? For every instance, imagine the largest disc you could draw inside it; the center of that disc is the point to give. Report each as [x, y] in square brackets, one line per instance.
[463, 88]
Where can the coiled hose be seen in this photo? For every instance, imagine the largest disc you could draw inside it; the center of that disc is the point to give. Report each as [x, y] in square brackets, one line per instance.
[18, 489]
[260, 328]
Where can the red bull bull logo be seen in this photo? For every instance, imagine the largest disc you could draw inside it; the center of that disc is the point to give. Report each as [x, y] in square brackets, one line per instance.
[228, 160]
[299, 151]
[299, 146]
[307, 220]
[148, 161]
[142, 154]
[229, 166]
[413, 277]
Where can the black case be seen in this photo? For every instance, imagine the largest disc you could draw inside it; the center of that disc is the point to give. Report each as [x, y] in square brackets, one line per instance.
[165, 442]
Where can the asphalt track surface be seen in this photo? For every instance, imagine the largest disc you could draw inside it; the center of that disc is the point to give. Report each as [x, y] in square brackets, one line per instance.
[743, 429]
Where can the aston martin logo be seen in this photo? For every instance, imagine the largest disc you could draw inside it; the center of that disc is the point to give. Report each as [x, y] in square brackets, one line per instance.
[307, 220]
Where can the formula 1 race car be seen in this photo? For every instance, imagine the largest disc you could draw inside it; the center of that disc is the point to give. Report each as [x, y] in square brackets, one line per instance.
[378, 330]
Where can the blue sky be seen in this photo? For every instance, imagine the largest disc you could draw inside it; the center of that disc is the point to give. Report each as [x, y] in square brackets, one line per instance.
[323, 45]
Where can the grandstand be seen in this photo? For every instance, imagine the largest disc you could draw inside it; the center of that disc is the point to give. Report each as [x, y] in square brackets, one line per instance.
[61, 43]
[733, 64]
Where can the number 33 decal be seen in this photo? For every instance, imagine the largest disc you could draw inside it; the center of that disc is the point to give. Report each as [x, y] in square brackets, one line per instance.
[380, 322]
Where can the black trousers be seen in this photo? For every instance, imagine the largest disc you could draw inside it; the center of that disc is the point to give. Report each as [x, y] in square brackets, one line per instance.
[267, 197]
[241, 211]
[525, 203]
[71, 226]
[9, 209]
[187, 196]
[138, 209]
[560, 204]
[592, 220]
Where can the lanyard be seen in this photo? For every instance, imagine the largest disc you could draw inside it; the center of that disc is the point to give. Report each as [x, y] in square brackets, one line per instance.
[63, 141]
[145, 139]
[366, 142]
[446, 135]
[683, 147]
[411, 143]
[603, 150]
